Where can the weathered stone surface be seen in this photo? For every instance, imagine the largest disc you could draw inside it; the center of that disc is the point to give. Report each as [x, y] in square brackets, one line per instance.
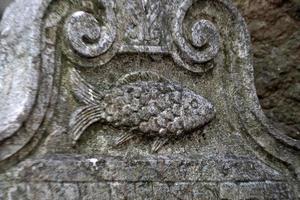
[275, 58]
[81, 86]
[229, 190]
[150, 169]
[147, 190]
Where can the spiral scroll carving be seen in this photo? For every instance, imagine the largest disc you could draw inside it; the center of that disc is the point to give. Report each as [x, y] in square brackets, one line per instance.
[91, 35]
[202, 47]
[86, 36]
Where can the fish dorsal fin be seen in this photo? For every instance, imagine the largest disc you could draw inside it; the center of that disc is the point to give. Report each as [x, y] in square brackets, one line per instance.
[82, 90]
[141, 76]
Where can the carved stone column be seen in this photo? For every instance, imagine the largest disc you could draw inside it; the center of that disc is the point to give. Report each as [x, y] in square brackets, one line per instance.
[135, 99]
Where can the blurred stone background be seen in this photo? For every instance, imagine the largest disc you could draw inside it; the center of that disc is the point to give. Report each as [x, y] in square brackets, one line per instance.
[275, 29]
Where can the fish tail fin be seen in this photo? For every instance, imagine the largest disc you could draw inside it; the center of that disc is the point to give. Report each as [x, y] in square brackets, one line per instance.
[82, 90]
[82, 118]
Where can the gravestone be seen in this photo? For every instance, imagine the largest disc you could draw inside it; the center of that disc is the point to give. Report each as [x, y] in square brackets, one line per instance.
[135, 99]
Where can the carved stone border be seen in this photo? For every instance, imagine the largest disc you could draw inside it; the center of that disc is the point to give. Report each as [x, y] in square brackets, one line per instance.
[101, 43]
[209, 35]
[25, 94]
[26, 88]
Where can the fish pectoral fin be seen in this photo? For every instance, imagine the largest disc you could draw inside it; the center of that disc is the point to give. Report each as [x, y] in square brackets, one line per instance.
[158, 143]
[124, 138]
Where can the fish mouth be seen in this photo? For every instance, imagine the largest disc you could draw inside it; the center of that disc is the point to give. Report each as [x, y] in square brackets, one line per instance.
[210, 114]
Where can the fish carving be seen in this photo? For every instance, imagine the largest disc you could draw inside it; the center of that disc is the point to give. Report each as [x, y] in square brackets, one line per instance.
[143, 104]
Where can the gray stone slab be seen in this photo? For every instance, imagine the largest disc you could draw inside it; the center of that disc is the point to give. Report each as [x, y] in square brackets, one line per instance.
[171, 169]
[138, 99]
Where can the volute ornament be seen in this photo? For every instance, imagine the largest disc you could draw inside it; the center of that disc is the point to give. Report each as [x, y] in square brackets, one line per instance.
[135, 99]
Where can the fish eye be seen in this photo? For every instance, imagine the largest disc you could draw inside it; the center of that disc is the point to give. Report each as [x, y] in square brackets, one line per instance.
[194, 104]
[130, 90]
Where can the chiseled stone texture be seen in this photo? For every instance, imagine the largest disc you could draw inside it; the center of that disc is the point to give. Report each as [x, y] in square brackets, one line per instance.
[64, 177]
[275, 57]
[78, 122]
[149, 190]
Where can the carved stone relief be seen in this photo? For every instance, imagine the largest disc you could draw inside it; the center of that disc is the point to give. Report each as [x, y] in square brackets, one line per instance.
[137, 99]
[143, 103]
[143, 27]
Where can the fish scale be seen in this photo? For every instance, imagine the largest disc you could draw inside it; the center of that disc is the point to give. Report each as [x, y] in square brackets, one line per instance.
[142, 104]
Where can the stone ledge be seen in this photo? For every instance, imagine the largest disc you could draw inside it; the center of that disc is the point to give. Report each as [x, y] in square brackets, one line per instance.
[147, 190]
[60, 168]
